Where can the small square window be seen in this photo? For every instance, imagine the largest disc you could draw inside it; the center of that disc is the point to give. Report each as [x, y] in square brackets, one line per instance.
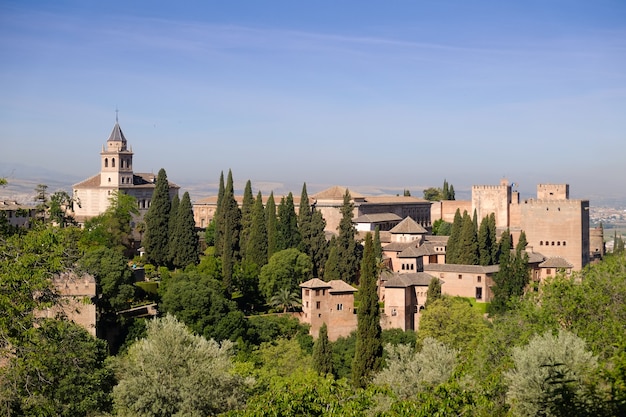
[478, 278]
[339, 307]
[460, 276]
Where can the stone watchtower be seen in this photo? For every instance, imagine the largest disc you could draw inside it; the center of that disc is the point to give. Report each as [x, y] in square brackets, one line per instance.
[116, 161]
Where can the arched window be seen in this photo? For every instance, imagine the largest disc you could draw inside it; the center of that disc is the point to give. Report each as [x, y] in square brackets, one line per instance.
[112, 162]
[106, 162]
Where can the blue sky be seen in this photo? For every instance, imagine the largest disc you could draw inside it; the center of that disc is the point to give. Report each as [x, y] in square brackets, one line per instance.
[377, 96]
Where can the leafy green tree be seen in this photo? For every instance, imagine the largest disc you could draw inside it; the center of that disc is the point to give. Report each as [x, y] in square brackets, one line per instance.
[113, 227]
[201, 303]
[285, 299]
[286, 269]
[27, 264]
[247, 210]
[115, 280]
[156, 238]
[272, 227]
[441, 228]
[59, 369]
[162, 374]
[530, 381]
[454, 322]
[348, 251]
[369, 350]
[256, 252]
[408, 372]
[42, 201]
[323, 353]
[434, 291]
[184, 240]
[61, 204]
[433, 194]
[288, 235]
[467, 249]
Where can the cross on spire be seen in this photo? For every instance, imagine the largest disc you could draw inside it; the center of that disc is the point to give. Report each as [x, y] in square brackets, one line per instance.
[116, 112]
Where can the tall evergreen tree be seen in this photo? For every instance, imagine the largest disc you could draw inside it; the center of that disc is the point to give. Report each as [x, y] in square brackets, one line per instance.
[231, 232]
[287, 225]
[348, 252]
[451, 195]
[331, 267]
[172, 226]
[185, 239]
[493, 238]
[156, 239]
[484, 243]
[468, 243]
[305, 217]
[369, 349]
[434, 291]
[247, 207]
[256, 250]
[452, 251]
[218, 218]
[318, 243]
[446, 190]
[378, 247]
[323, 353]
[502, 279]
[272, 231]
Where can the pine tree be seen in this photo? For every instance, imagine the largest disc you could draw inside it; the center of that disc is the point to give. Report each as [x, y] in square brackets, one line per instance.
[468, 243]
[452, 248]
[270, 216]
[369, 349]
[156, 238]
[347, 250]
[231, 231]
[288, 235]
[247, 207]
[323, 353]
[256, 251]
[185, 238]
[218, 218]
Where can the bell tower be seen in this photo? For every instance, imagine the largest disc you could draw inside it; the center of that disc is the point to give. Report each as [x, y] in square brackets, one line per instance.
[116, 161]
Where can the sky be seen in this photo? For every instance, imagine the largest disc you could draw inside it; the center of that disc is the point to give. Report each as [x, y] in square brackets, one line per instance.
[376, 96]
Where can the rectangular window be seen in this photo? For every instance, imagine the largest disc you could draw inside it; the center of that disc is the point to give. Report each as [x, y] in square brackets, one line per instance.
[394, 312]
[323, 292]
[317, 305]
[479, 293]
[460, 276]
[339, 307]
[306, 292]
[317, 292]
[549, 271]
[478, 279]
[307, 304]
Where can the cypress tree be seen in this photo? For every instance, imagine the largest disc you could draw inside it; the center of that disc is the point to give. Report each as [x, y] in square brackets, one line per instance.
[305, 217]
[475, 221]
[503, 277]
[369, 348]
[378, 247]
[172, 226]
[256, 251]
[247, 206]
[446, 190]
[318, 242]
[185, 238]
[156, 238]
[493, 238]
[287, 225]
[323, 353]
[452, 251]
[347, 250]
[451, 195]
[270, 216]
[434, 291]
[484, 243]
[231, 232]
[331, 267]
[218, 218]
[468, 243]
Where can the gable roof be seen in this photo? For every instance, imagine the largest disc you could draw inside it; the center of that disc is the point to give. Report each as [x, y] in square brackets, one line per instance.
[413, 279]
[335, 193]
[408, 226]
[425, 249]
[338, 285]
[315, 283]
[469, 269]
[377, 218]
[399, 246]
[556, 262]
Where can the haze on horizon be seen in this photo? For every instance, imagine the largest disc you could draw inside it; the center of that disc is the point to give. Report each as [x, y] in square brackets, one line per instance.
[384, 95]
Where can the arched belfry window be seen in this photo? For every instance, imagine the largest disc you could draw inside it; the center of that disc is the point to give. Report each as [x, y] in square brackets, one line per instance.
[113, 162]
[106, 162]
